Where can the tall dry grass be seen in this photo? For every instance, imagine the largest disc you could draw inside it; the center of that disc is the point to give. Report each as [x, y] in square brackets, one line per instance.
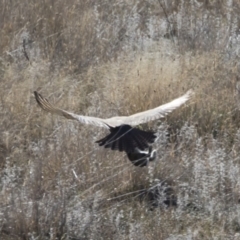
[104, 59]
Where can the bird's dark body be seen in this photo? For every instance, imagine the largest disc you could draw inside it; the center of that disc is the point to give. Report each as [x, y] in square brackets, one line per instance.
[130, 140]
[141, 159]
[126, 138]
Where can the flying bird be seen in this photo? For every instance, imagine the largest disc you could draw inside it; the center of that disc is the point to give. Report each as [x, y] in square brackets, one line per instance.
[123, 135]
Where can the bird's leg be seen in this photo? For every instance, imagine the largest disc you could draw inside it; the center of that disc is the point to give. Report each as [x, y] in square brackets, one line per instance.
[152, 154]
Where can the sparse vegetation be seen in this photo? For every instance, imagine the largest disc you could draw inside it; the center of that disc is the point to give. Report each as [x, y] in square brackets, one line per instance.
[106, 58]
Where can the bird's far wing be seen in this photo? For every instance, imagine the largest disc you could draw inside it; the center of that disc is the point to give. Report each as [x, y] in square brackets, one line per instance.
[158, 112]
[47, 106]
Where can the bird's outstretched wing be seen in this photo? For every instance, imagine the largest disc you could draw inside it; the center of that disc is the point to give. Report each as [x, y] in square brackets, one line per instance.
[47, 106]
[158, 112]
[133, 120]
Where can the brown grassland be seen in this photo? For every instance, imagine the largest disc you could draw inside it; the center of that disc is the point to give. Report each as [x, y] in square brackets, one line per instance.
[106, 58]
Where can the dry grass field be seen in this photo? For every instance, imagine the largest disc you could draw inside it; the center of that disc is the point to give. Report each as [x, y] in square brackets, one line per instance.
[106, 58]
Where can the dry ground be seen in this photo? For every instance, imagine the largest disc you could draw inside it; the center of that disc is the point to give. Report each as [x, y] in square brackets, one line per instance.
[106, 58]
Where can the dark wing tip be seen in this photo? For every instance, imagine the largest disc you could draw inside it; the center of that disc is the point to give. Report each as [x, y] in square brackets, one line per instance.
[42, 102]
[38, 97]
[36, 94]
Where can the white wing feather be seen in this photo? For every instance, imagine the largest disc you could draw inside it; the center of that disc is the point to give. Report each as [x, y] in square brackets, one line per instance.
[47, 106]
[135, 119]
[158, 112]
